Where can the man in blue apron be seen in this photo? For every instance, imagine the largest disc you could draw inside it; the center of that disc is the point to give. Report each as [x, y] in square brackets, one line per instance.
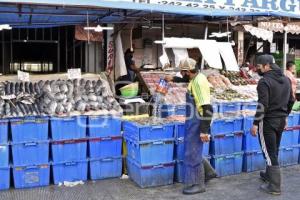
[199, 115]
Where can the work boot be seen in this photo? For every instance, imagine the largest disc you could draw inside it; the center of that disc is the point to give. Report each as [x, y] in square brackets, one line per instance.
[210, 172]
[196, 188]
[274, 184]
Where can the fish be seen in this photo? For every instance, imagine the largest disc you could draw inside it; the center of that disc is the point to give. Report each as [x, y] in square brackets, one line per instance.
[80, 106]
[59, 109]
[63, 88]
[31, 88]
[12, 87]
[52, 107]
[27, 90]
[17, 88]
[7, 88]
[92, 97]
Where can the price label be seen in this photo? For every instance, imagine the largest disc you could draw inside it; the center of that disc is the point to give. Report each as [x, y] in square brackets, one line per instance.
[74, 73]
[23, 76]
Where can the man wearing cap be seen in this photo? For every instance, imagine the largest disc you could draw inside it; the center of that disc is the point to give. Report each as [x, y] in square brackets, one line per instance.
[199, 113]
[275, 102]
[130, 64]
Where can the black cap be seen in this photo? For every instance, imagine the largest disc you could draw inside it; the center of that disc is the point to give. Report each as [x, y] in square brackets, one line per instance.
[265, 59]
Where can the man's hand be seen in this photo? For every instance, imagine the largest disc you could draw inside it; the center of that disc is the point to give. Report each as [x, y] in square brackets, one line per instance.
[204, 137]
[169, 78]
[254, 130]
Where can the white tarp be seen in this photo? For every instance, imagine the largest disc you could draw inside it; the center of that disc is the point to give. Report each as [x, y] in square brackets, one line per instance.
[180, 54]
[120, 66]
[210, 53]
[228, 56]
[183, 43]
[260, 33]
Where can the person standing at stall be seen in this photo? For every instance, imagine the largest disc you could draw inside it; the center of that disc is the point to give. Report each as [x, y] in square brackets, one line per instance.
[275, 102]
[130, 64]
[290, 73]
[199, 114]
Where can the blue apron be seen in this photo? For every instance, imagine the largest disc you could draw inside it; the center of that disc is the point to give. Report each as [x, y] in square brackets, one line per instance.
[193, 145]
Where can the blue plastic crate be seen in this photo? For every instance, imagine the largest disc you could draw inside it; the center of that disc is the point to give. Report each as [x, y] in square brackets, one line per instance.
[69, 150]
[248, 123]
[179, 149]
[290, 120]
[227, 143]
[171, 110]
[250, 143]
[104, 126]
[224, 126]
[105, 147]
[30, 153]
[179, 130]
[31, 176]
[143, 133]
[249, 105]
[179, 170]
[3, 131]
[289, 138]
[66, 128]
[254, 161]
[152, 175]
[229, 107]
[4, 155]
[289, 155]
[29, 129]
[5, 178]
[70, 171]
[296, 119]
[105, 168]
[215, 108]
[226, 165]
[150, 152]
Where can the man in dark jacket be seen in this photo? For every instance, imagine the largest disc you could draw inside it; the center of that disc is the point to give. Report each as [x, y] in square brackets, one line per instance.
[275, 102]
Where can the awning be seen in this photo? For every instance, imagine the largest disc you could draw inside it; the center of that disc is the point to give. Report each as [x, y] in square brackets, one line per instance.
[284, 8]
[259, 33]
[293, 28]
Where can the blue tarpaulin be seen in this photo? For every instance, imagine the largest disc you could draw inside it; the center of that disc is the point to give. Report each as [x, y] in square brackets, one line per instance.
[42, 13]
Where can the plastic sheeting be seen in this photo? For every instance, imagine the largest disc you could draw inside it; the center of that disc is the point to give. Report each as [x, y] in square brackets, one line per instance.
[228, 56]
[180, 54]
[260, 33]
[210, 52]
[120, 66]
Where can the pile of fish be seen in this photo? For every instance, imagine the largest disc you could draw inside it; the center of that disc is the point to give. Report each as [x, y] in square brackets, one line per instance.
[56, 97]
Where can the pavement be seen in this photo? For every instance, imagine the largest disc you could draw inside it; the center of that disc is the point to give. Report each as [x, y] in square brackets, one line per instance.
[239, 187]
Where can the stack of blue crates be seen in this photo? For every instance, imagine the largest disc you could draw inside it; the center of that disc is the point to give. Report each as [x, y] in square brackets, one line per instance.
[171, 110]
[253, 157]
[69, 149]
[179, 151]
[105, 147]
[30, 151]
[150, 153]
[289, 146]
[4, 156]
[226, 144]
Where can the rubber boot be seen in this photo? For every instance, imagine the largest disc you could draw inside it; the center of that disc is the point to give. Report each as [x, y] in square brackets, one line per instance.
[196, 188]
[264, 176]
[210, 172]
[274, 184]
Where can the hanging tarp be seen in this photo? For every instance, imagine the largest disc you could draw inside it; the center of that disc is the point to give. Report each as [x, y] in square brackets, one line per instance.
[210, 53]
[259, 33]
[293, 28]
[228, 56]
[287, 8]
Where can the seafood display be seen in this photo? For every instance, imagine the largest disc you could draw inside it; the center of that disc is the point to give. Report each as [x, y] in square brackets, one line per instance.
[55, 97]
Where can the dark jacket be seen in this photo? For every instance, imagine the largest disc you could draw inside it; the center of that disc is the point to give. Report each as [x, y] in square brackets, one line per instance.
[275, 98]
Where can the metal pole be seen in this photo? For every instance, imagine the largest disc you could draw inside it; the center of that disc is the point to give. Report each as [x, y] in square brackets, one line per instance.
[205, 38]
[284, 50]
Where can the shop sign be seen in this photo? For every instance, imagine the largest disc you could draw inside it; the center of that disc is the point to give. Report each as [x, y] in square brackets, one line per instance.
[74, 73]
[110, 52]
[23, 76]
[290, 6]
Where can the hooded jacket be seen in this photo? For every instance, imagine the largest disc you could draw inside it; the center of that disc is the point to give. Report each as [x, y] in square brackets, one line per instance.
[275, 98]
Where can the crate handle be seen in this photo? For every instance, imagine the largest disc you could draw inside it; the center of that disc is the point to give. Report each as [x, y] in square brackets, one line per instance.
[288, 149]
[229, 120]
[70, 163]
[31, 167]
[106, 138]
[107, 160]
[67, 119]
[157, 127]
[229, 156]
[230, 135]
[158, 166]
[158, 143]
[30, 144]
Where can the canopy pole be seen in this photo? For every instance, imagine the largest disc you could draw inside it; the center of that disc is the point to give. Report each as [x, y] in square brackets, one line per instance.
[163, 27]
[205, 38]
[284, 50]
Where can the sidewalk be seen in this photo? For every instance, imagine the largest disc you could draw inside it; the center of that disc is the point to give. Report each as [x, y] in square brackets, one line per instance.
[239, 187]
